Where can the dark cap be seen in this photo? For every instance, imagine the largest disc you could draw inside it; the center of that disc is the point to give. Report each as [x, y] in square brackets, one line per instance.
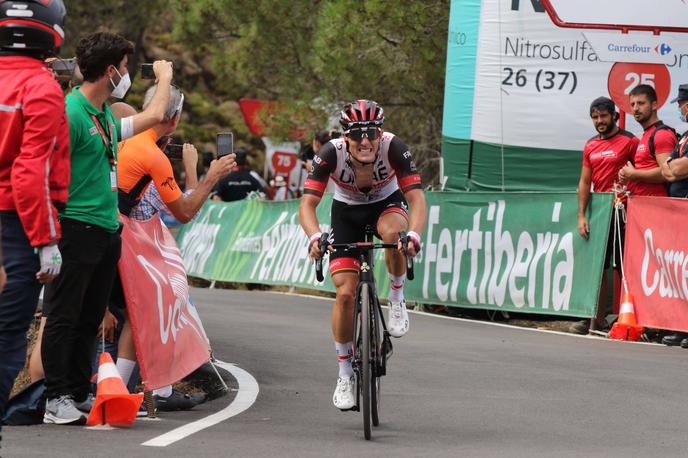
[241, 156]
[682, 93]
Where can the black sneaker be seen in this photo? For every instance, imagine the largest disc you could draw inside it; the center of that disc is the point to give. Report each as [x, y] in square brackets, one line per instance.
[673, 340]
[177, 401]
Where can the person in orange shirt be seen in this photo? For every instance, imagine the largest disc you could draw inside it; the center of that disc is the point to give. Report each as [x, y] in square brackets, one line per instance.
[141, 161]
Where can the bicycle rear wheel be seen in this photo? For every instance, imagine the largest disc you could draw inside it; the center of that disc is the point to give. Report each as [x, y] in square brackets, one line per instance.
[366, 375]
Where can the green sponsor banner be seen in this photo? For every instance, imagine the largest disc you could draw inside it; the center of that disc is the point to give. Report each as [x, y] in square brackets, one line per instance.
[503, 251]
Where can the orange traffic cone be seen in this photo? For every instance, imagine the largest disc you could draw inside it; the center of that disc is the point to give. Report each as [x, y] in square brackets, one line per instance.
[114, 404]
[626, 327]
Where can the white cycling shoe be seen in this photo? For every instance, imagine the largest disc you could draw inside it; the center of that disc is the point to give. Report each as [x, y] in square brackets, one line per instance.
[398, 321]
[343, 397]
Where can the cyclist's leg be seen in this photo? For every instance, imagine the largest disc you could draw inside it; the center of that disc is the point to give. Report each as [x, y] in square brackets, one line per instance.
[343, 311]
[392, 220]
[345, 282]
[344, 266]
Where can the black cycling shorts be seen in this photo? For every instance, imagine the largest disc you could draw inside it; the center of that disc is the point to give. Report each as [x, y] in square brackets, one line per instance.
[349, 223]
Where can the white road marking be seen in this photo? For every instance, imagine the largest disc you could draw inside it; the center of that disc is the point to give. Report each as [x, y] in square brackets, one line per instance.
[246, 396]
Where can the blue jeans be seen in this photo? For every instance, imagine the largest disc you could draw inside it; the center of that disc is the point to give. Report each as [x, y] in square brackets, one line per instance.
[17, 302]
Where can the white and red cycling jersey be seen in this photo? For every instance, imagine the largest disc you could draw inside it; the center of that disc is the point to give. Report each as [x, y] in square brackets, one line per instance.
[393, 169]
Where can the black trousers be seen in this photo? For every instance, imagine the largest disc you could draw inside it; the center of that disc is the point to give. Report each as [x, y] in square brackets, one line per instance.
[77, 300]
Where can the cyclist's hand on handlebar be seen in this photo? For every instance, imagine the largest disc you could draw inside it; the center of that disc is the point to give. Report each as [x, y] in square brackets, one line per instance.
[314, 251]
[413, 247]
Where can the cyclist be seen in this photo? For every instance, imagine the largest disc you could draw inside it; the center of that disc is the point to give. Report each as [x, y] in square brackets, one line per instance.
[374, 177]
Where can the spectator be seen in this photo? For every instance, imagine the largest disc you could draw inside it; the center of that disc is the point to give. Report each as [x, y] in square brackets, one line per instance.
[308, 152]
[643, 173]
[90, 243]
[603, 156]
[281, 189]
[675, 171]
[656, 145]
[34, 171]
[240, 182]
[142, 161]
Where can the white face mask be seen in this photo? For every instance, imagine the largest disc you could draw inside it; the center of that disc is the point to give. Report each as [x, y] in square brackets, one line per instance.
[120, 89]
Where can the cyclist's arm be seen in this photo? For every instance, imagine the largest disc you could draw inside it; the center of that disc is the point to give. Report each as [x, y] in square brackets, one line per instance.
[314, 187]
[307, 216]
[416, 200]
[323, 164]
[409, 183]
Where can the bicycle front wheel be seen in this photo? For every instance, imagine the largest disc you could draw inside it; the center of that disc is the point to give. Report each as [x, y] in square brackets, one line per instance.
[376, 365]
[366, 375]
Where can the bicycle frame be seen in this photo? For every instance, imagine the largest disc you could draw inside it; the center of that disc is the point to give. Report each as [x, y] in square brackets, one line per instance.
[372, 343]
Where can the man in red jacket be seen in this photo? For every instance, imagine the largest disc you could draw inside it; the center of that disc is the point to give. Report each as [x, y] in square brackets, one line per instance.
[34, 169]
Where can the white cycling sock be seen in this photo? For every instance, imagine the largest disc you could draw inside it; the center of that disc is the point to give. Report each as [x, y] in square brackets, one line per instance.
[396, 288]
[164, 392]
[344, 354]
[125, 367]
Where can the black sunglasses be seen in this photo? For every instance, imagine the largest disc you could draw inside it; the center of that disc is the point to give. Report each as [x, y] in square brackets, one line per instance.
[371, 133]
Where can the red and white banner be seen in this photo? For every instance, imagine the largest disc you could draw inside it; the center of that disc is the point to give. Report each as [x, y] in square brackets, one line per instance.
[169, 337]
[656, 263]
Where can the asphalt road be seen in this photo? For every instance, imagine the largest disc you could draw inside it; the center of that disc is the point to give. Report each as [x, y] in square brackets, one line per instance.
[454, 388]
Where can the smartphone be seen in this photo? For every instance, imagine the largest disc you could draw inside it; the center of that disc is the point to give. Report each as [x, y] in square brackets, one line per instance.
[174, 152]
[64, 67]
[225, 144]
[147, 72]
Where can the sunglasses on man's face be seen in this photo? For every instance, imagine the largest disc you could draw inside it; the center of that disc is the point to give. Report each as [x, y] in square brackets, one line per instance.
[357, 135]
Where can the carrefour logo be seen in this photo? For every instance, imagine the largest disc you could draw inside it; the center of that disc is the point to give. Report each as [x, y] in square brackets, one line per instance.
[663, 49]
[634, 48]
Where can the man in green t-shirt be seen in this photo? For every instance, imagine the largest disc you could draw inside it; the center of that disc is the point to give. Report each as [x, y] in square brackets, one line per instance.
[90, 244]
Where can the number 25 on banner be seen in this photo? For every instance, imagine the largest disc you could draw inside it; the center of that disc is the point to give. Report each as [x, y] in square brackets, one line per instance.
[623, 77]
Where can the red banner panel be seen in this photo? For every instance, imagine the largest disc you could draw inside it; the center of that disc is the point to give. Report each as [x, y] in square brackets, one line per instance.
[655, 261]
[168, 334]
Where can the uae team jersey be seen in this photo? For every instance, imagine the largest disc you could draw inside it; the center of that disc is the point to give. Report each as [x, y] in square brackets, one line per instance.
[665, 142]
[606, 156]
[393, 169]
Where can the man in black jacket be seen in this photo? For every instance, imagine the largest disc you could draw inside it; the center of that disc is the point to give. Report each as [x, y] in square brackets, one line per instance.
[240, 182]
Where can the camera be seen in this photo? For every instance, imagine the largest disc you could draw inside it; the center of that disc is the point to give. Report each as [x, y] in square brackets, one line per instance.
[64, 67]
[173, 151]
[147, 72]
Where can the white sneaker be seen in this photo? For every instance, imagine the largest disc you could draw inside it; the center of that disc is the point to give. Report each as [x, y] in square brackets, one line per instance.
[398, 322]
[343, 397]
[62, 411]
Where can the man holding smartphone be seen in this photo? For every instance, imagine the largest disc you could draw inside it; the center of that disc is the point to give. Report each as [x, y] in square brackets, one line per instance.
[90, 243]
[142, 161]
